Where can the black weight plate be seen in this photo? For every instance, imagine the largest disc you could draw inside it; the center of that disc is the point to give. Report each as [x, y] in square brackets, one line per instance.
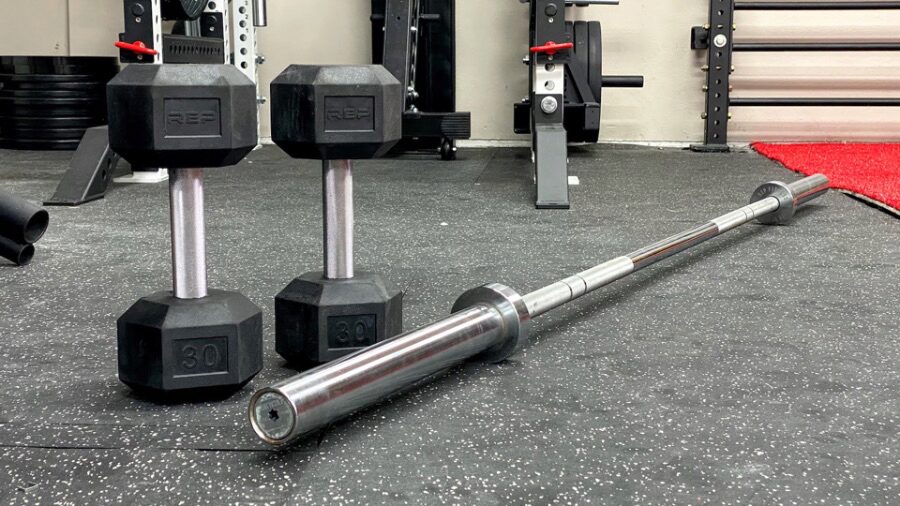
[87, 87]
[50, 102]
[66, 134]
[61, 122]
[42, 94]
[580, 40]
[60, 71]
[97, 110]
[58, 65]
[183, 9]
[595, 57]
[52, 78]
[38, 144]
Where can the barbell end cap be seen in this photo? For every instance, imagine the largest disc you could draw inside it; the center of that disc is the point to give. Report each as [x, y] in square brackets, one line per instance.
[786, 204]
[516, 318]
[272, 417]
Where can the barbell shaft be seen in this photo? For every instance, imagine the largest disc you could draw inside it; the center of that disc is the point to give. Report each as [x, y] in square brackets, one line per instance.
[310, 401]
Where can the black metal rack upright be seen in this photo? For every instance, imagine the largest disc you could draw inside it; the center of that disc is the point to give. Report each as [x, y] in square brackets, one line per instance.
[717, 38]
[566, 81]
[416, 41]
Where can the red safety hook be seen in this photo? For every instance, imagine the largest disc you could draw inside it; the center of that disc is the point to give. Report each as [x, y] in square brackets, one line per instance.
[551, 47]
[137, 47]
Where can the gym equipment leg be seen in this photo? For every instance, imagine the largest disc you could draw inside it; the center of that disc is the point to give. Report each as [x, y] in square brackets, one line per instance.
[489, 323]
[90, 171]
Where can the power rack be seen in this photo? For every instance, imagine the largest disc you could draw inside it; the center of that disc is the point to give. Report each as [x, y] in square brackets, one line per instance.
[717, 37]
[416, 41]
[564, 96]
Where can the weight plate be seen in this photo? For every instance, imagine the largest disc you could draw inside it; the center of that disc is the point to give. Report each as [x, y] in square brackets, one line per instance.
[88, 87]
[595, 57]
[182, 9]
[58, 65]
[68, 134]
[61, 122]
[580, 39]
[38, 144]
[42, 94]
[50, 102]
[96, 110]
[52, 78]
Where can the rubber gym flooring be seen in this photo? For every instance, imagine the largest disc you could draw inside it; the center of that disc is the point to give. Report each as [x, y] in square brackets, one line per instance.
[759, 368]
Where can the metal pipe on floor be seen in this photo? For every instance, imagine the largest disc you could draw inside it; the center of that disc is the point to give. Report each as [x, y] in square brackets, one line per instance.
[488, 323]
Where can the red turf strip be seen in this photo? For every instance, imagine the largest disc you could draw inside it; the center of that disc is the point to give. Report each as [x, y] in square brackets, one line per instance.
[870, 170]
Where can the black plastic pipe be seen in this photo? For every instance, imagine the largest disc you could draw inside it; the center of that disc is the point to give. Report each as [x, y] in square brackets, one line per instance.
[816, 46]
[623, 81]
[20, 220]
[814, 102]
[15, 252]
[814, 6]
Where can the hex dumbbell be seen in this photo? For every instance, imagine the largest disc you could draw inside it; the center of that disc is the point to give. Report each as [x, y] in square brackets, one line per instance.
[189, 340]
[336, 114]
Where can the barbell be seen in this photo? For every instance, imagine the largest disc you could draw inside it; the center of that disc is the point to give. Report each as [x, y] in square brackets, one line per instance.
[489, 323]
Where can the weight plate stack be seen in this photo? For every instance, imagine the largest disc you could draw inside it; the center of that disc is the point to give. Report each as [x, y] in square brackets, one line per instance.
[46, 103]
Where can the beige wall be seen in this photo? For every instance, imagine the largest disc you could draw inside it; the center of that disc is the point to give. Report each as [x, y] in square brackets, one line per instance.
[43, 30]
[649, 37]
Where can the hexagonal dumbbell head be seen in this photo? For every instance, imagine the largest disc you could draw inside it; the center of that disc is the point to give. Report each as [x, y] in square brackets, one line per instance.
[336, 112]
[182, 116]
[318, 320]
[169, 345]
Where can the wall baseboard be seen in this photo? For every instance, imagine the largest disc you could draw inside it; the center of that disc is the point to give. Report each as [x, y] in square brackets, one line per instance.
[481, 143]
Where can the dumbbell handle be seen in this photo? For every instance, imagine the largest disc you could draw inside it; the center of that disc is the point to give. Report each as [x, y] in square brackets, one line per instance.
[337, 206]
[188, 233]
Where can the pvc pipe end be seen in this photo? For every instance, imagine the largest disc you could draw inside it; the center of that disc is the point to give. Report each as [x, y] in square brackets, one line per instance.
[25, 255]
[36, 227]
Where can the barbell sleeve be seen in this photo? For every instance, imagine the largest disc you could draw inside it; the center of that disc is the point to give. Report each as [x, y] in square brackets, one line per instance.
[622, 81]
[488, 323]
[260, 13]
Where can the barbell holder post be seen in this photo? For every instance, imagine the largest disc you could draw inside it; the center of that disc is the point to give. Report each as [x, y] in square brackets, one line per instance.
[260, 13]
[623, 81]
[488, 323]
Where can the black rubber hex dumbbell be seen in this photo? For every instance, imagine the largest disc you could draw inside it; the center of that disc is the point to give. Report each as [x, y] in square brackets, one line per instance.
[336, 114]
[186, 117]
